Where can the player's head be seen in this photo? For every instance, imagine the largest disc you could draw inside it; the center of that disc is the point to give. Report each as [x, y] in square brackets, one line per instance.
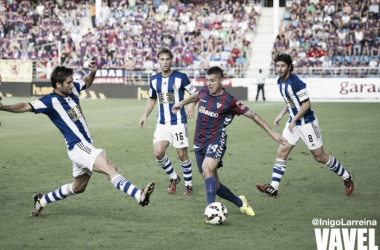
[62, 80]
[284, 64]
[214, 80]
[165, 57]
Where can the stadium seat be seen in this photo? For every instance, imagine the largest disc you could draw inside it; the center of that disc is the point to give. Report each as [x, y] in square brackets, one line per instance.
[340, 58]
[358, 59]
[348, 58]
[286, 15]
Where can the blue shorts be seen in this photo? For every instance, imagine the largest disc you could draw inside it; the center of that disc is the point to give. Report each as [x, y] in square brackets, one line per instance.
[215, 151]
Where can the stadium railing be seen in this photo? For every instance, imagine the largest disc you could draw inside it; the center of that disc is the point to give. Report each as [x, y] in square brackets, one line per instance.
[341, 72]
[140, 77]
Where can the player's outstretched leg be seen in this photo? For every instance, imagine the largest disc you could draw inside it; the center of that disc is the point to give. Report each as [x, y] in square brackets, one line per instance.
[278, 171]
[347, 176]
[40, 201]
[187, 177]
[141, 196]
[241, 202]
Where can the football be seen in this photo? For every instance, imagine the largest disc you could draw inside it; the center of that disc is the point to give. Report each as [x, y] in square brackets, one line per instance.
[216, 213]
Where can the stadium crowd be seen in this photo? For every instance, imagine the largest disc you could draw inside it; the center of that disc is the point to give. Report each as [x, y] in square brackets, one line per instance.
[331, 37]
[128, 34]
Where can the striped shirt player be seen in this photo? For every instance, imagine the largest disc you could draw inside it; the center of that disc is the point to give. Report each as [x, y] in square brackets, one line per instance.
[167, 88]
[294, 92]
[302, 124]
[216, 110]
[67, 116]
[63, 108]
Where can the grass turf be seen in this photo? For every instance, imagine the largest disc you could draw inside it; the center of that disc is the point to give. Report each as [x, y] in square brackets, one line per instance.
[33, 158]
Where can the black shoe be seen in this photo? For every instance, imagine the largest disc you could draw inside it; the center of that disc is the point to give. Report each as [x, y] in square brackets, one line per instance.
[37, 205]
[145, 194]
[267, 189]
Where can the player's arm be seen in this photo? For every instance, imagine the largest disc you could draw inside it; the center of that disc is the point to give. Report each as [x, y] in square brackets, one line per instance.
[279, 117]
[192, 98]
[89, 79]
[259, 121]
[20, 107]
[148, 109]
[304, 108]
[190, 110]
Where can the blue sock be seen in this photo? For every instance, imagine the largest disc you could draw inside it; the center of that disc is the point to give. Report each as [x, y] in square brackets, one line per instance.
[210, 189]
[226, 194]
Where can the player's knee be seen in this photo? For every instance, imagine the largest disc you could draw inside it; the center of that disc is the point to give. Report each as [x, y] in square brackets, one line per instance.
[112, 169]
[182, 154]
[79, 190]
[159, 155]
[320, 158]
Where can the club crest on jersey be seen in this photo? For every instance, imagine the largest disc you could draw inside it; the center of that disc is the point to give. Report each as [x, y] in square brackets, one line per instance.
[240, 105]
[75, 113]
[218, 105]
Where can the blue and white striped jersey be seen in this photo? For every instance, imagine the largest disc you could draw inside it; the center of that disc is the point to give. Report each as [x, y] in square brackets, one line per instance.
[294, 93]
[66, 114]
[168, 91]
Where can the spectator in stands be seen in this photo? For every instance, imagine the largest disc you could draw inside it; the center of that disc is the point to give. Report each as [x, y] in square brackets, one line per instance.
[347, 8]
[375, 48]
[374, 8]
[373, 64]
[241, 59]
[365, 49]
[312, 54]
[345, 20]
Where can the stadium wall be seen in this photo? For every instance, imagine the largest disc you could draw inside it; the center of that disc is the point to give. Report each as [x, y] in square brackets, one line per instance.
[327, 89]
[320, 89]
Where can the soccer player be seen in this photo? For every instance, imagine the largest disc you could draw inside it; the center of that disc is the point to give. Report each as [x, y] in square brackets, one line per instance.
[169, 88]
[216, 111]
[63, 108]
[302, 124]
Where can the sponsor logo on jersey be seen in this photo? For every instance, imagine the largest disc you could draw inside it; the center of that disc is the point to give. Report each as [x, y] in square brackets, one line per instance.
[202, 110]
[203, 100]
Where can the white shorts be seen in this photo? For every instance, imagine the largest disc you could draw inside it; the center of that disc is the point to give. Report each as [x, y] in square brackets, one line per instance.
[83, 157]
[174, 134]
[309, 133]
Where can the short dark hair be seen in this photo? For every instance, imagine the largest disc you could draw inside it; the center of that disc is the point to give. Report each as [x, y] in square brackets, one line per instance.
[215, 70]
[165, 51]
[60, 73]
[286, 58]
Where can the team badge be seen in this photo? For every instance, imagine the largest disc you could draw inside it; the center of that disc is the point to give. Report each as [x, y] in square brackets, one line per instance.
[218, 105]
[240, 105]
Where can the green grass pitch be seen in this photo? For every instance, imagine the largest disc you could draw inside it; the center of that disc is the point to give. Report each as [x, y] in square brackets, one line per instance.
[33, 158]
